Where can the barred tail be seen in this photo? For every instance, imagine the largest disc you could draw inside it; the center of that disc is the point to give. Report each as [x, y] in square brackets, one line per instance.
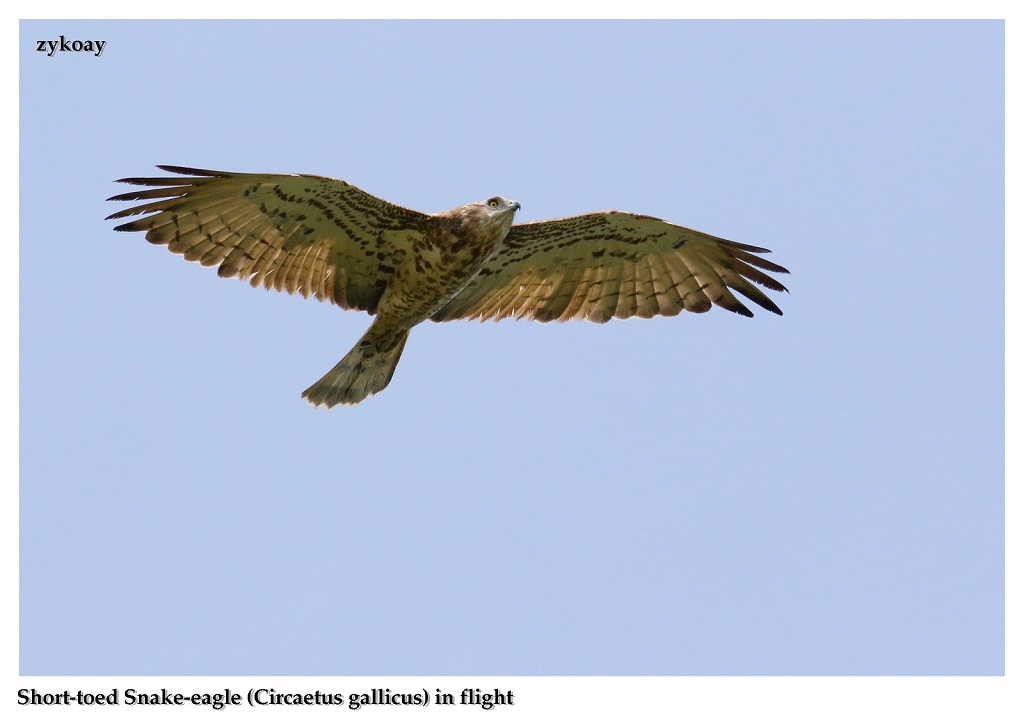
[365, 370]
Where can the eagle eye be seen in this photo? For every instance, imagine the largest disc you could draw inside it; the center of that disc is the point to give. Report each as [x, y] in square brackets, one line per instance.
[493, 202]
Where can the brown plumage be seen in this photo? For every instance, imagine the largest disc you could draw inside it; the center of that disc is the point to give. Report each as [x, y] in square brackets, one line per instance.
[324, 237]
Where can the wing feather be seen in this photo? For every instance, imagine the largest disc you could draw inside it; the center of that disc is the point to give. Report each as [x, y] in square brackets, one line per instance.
[604, 305]
[248, 246]
[295, 233]
[644, 289]
[578, 293]
[670, 303]
[694, 300]
[536, 294]
[554, 308]
[613, 264]
[713, 285]
[626, 306]
[591, 293]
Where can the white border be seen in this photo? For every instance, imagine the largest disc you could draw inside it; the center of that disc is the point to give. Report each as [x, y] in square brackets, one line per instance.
[562, 696]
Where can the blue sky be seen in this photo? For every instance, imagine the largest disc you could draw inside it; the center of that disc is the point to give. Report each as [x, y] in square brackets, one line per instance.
[818, 493]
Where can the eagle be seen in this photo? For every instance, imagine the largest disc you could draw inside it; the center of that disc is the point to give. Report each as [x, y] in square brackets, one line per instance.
[327, 238]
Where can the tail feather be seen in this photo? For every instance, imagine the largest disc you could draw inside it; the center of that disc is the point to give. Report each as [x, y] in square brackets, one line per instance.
[365, 370]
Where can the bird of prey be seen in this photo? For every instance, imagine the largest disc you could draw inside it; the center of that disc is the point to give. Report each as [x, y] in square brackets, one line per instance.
[325, 237]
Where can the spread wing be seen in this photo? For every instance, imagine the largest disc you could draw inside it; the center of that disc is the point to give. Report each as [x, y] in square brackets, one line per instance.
[612, 264]
[296, 233]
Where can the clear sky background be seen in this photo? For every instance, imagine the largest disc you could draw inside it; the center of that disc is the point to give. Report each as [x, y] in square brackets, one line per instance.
[818, 493]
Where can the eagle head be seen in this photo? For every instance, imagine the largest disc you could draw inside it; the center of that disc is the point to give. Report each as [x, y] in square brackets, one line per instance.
[498, 211]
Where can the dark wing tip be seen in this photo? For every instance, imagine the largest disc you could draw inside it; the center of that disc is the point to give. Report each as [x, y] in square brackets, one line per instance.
[762, 301]
[756, 261]
[192, 172]
[744, 247]
[121, 197]
[195, 172]
[132, 226]
[757, 298]
[166, 188]
[738, 309]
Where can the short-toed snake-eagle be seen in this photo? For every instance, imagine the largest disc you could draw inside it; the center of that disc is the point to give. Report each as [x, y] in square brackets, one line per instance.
[324, 237]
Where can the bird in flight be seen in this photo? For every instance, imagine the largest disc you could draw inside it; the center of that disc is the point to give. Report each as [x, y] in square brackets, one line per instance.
[327, 238]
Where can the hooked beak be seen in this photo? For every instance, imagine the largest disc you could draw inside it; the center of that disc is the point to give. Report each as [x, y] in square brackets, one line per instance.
[516, 206]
